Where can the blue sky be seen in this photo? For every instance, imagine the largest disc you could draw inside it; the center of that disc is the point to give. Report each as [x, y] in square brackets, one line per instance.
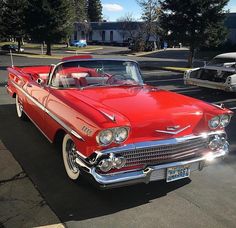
[114, 9]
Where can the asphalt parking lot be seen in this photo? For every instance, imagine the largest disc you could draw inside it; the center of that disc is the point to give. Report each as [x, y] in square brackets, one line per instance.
[206, 199]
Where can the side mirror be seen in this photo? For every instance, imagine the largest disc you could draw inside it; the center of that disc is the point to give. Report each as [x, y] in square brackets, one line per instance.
[40, 81]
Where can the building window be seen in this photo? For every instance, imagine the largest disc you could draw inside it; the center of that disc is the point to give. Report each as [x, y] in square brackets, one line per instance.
[111, 36]
[91, 35]
[75, 35]
[103, 35]
[82, 35]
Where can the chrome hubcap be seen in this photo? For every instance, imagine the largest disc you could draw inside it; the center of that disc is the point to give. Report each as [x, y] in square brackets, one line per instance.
[71, 156]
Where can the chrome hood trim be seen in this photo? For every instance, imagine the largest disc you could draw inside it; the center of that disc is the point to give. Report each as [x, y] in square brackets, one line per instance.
[174, 132]
[110, 117]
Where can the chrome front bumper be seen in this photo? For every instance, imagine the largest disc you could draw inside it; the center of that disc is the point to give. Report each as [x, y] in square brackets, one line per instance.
[151, 173]
[209, 84]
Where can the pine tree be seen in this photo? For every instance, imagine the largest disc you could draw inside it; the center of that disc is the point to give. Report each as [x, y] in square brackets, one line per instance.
[80, 7]
[49, 21]
[12, 21]
[94, 10]
[194, 22]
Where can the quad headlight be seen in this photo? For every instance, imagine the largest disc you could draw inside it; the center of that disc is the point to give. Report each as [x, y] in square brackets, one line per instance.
[117, 135]
[222, 121]
[105, 137]
[214, 122]
[120, 134]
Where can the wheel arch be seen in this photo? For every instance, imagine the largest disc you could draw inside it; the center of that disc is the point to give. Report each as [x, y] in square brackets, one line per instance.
[59, 135]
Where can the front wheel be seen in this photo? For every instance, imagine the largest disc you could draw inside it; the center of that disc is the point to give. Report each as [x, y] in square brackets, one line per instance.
[69, 156]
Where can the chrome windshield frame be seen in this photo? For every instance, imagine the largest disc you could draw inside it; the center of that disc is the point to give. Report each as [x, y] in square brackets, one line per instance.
[49, 83]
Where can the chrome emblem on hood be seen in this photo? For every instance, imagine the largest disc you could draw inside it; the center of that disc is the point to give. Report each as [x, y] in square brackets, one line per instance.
[171, 130]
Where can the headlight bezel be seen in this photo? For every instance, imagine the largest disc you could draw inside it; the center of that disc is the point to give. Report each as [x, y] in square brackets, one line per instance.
[113, 131]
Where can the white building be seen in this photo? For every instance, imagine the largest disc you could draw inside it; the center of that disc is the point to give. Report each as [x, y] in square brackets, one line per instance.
[230, 24]
[120, 32]
[106, 32]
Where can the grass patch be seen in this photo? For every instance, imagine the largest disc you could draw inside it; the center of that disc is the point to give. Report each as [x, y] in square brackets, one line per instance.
[56, 46]
[39, 56]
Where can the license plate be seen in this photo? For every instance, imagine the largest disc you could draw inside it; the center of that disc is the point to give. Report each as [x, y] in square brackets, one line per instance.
[178, 172]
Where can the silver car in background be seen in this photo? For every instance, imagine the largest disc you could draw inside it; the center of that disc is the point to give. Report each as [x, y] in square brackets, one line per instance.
[219, 73]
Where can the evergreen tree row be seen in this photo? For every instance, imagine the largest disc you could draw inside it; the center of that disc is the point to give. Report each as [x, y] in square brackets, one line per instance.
[47, 21]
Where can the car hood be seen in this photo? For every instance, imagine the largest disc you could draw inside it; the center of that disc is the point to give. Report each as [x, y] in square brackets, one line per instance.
[152, 113]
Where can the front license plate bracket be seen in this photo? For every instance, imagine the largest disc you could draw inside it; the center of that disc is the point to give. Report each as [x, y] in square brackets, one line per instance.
[177, 173]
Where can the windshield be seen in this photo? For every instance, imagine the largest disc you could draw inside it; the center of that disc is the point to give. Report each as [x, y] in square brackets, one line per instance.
[92, 73]
[222, 62]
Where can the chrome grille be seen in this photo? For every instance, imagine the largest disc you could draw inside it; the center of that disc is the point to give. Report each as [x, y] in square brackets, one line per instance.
[165, 153]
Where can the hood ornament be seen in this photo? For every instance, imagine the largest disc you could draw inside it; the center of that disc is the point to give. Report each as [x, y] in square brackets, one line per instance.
[172, 130]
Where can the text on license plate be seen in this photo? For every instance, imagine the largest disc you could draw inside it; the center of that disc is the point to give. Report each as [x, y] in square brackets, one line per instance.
[178, 172]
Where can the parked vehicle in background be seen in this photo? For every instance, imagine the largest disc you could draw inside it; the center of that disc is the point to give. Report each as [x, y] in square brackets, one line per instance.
[79, 43]
[12, 47]
[113, 128]
[219, 73]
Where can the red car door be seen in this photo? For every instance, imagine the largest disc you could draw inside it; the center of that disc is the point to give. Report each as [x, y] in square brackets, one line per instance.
[36, 99]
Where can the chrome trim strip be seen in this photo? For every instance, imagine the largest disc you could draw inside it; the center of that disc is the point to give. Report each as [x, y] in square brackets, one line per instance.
[30, 97]
[59, 121]
[76, 135]
[112, 118]
[174, 132]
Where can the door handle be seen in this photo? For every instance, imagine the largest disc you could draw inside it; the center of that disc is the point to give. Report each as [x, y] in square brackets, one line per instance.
[29, 85]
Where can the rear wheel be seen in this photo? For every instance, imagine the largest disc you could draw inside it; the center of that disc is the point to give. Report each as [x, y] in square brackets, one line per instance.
[19, 109]
[69, 156]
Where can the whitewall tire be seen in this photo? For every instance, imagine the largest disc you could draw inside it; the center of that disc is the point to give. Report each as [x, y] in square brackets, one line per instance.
[69, 156]
[19, 109]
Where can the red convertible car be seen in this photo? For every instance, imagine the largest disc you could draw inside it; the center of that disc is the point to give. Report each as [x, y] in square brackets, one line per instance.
[112, 127]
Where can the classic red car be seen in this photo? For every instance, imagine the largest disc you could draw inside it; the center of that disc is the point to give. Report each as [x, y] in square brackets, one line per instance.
[112, 127]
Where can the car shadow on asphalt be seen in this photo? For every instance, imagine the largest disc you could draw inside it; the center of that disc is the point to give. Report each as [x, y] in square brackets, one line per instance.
[170, 54]
[69, 200]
